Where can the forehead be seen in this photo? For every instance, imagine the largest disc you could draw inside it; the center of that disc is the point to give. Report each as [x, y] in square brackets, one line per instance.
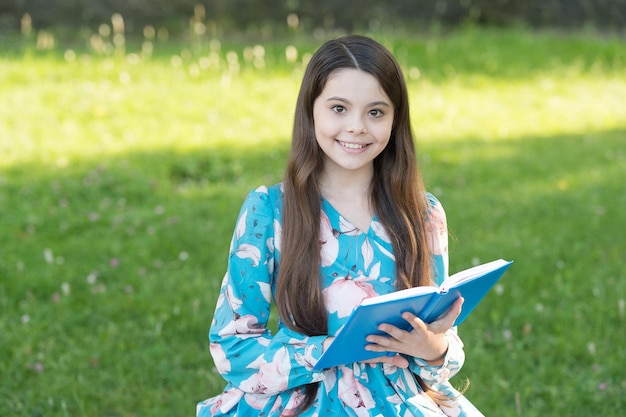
[353, 83]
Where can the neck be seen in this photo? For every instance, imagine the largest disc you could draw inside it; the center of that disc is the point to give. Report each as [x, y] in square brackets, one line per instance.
[347, 184]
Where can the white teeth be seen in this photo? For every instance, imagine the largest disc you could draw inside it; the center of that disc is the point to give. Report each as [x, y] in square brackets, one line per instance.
[352, 145]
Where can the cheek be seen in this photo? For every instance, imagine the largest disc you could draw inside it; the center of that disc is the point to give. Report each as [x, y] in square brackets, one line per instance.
[383, 132]
[318, 124]
[324, 128]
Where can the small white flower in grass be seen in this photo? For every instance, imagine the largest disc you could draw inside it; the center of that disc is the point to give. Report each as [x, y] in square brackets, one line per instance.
[591, 347]
[259, 51]
[291, 54]
[621, 305]
[146, 48]
[176, 61]
[183, 256]
[293, 20]
[92, 278]
[149, 32]
[69, 55]
[104, 30]
[48, 255]
[199, 28]
[133, 59]
[414, 73]
[204, 63]
[25, 318]
[65, 288]
[248, 54]
[499, 289]
[232, 58]
[508, 334]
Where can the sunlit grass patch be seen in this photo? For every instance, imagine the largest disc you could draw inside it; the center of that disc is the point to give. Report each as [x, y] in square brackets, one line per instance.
[493, 109]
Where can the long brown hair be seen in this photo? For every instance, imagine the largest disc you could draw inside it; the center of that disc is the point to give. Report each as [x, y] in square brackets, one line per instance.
[397, 191]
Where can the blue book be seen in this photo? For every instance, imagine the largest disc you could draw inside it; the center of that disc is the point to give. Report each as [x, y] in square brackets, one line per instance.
[428, 303]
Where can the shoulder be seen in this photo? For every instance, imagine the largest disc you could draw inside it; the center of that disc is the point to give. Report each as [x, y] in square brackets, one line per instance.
[264, 192]
[435, 208]
[264, 199]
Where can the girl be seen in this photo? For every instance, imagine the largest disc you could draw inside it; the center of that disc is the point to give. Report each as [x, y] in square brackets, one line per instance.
[350, 220]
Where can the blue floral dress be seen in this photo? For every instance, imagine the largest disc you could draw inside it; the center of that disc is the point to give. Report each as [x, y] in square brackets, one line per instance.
[265, 371]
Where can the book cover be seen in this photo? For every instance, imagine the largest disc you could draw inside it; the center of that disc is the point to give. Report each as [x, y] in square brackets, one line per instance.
[428, 303]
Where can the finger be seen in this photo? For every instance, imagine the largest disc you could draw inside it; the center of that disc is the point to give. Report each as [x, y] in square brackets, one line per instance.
[415, 322]
[447, 320]
[373, 347]
[393, 331]
[378, 343]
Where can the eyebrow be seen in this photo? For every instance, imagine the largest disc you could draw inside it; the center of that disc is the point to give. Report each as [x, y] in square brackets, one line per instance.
[344, 100]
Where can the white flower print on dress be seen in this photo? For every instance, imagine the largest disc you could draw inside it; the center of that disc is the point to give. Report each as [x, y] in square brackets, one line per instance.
[354, 394]
[247, 251]
[330, 243]
[345, 293]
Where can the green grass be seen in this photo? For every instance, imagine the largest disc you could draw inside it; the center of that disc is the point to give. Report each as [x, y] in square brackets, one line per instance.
[121, 175]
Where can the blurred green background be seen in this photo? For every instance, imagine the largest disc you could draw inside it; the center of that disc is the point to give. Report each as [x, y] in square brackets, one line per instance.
[131, 131]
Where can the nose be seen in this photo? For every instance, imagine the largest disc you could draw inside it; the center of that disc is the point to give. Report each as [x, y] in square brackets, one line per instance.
[356, 126]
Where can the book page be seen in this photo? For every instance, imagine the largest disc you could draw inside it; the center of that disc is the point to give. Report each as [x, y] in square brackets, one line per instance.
[471, 273]
[398, 295]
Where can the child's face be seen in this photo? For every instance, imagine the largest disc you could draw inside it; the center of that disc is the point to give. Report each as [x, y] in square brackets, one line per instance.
[353, 119]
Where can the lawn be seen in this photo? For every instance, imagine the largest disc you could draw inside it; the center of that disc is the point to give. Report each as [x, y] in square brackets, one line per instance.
[122, 169]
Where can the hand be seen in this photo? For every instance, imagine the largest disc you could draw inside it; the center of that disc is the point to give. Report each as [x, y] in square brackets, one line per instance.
[426, 341]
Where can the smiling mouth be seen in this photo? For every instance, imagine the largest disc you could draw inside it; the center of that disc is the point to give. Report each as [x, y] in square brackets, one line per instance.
[352, 145]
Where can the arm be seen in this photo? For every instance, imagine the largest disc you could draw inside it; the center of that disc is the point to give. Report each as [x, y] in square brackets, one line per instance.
[244, 350]
[451, 362]
[432, 350]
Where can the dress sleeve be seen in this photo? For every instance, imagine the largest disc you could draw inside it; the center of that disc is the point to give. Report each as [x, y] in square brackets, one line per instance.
[244, 350]
[437, 228]
[437, 232]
